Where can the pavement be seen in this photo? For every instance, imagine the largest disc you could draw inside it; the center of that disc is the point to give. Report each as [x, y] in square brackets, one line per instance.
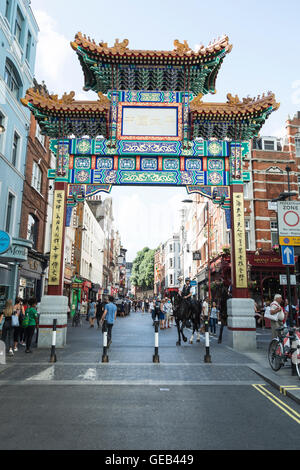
[131, 360]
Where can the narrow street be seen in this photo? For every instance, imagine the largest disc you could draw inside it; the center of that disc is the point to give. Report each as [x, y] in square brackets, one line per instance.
[131, 403]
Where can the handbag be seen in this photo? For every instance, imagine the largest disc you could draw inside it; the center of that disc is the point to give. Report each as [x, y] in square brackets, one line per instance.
[277, 316]
[15, 321]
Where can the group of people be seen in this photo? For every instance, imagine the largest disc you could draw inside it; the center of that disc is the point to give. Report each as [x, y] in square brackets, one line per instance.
[162, 310]
[18, 322]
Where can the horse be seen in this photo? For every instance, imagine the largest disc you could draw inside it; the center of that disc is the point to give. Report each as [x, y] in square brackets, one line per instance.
[196, 306]
[186, 314]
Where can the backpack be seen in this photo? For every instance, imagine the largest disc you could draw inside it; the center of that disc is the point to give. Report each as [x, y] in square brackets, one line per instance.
[25, 322]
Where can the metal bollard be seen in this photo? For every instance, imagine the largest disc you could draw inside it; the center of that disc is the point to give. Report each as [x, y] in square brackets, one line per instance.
[207, 357]
[2, 353]
[156, 356]
[104, 355]
[53, 355]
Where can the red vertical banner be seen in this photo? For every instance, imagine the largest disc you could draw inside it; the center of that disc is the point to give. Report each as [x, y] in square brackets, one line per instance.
[56, 264]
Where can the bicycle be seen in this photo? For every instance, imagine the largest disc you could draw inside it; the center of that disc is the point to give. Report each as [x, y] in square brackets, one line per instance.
[280, 349]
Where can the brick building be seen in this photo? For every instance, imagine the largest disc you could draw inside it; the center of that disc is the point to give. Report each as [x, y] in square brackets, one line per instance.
[34, 212]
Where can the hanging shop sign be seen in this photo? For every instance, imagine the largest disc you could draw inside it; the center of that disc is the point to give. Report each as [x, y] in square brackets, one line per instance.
[56, 241]
[17, 251]
[5, 241]
[239, 241]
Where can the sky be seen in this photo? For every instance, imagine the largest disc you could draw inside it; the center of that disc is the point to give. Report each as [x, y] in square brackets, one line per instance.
[265, 56]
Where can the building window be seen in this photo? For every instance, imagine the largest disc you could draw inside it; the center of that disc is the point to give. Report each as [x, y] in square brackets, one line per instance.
[171, 263]
[274, 233]
[15, 149]
[2, 123]
[247, 233]
[19, 26]
[32, 229]
[171, 248]
[7, 9]
[269, 145]
[36, 181]
[171, 279]
[39, 135]
[297, 143]
[9, 212]
[28, 46]
[11, 78]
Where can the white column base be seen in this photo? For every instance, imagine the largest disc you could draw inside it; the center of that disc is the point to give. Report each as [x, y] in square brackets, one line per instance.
[51, 307]
[241, 324]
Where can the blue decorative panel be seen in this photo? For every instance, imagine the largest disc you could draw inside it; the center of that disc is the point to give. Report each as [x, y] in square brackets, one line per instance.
[83, 163]
[149, 164]
[193, 164]
[171, 164]
[105, 163]
[216, 164]
[127, 164]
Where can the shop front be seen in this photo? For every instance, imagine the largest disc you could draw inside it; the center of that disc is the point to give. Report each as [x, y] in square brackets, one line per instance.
[76, 294]
[32, 276]
[11, 256]
[171, 292]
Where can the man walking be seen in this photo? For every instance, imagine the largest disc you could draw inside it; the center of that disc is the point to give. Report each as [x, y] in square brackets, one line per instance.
[99, 312]
[109, 315]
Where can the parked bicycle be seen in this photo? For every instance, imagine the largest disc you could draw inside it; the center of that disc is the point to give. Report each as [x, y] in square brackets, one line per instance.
[280, 349]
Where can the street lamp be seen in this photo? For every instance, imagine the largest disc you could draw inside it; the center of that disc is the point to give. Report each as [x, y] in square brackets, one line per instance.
[190, 201]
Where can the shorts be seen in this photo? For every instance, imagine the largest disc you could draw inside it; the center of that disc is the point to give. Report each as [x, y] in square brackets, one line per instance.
[161, 316]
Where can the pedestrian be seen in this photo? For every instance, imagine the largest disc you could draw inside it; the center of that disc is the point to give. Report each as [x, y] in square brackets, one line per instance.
[162, 314]
[91, 312]
[276, 314]
[99, 312]
[31, 318]
[19, 315]
[7, 329]
[22, 329]
[168, 312]
[205, 311]
[223, 314]
[287, 314]
[109, 315]
[213, 318]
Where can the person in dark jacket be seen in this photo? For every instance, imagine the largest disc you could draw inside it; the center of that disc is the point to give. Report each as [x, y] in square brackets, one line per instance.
[99, 312]
[223, 313]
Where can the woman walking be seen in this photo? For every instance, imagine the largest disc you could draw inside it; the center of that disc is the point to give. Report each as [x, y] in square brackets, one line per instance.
[7, 329]
[19, 314]
[162, 314]
[213, 318]
[92, 313]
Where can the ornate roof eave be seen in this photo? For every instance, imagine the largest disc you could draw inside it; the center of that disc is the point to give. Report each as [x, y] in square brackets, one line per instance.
[234, 108]
[66, 116]
[181, 54]
[233, 120]
[180, 69]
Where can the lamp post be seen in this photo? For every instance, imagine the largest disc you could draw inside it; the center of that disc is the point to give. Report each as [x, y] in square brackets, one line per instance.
[190, 201]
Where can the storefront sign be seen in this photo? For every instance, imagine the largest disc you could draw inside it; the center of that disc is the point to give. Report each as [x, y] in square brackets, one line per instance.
[283, 279]
[17, 252]
[239, 241]
[56, 241]
[5, 241]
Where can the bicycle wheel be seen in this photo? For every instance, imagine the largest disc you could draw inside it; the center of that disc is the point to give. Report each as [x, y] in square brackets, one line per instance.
[275, 354]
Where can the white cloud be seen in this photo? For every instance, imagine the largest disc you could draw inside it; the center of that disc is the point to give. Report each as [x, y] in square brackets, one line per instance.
[53, 50]
[146, 217]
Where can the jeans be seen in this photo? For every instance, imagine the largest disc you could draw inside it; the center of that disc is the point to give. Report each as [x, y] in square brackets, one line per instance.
[29, 335]
[8, 333]
[213, 323]
[109, 331]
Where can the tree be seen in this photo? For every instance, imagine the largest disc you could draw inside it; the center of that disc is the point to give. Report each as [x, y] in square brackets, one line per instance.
[143, 269]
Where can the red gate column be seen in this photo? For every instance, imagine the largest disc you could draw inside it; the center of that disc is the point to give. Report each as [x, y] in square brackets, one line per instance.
[238, 242]
[56, 265]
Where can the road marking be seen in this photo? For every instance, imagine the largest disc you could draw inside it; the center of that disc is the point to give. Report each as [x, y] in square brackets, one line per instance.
[89, 375]
[279, 403]
[286, 388]
[47, 374]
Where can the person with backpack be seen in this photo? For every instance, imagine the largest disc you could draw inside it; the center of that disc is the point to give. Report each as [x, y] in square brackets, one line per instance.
[7, 329]
[30, 323]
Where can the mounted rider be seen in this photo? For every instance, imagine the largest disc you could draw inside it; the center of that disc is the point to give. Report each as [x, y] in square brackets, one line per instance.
[186, 293]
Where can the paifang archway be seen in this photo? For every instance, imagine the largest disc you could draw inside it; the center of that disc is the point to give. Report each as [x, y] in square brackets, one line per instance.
[149, 126]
